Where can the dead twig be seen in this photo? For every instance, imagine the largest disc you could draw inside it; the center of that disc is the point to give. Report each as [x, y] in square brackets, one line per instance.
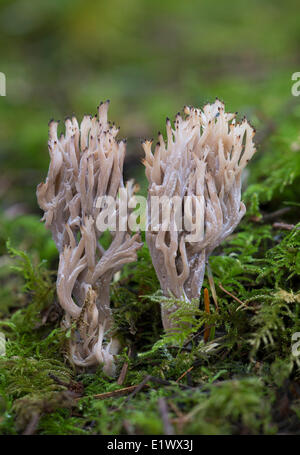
[164, 413]
[276, 214]
[207, 310]
[139, 388]
[133, 390]
[123, 374]
[149, 378]
[120, 392]
[212, 286]
[185, 373]
[284, 226]
[242, 304]
[124, 369]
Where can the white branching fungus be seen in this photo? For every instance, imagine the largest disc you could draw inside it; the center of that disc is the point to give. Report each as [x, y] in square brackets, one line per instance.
[86, 164]
[201, 166]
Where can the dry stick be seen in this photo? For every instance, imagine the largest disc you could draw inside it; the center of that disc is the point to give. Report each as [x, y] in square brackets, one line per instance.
[212, 286]
[284, 226]
[124, 370]
[139, 387]
[123, 373]
[117, 393]
[150, 378]
[183, 374]
[164, 412]
[133, 389]
[235, 298]
[277, 213]
[207, 310]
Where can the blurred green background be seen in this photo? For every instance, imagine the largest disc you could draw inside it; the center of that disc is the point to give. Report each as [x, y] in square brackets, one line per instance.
[148, 57]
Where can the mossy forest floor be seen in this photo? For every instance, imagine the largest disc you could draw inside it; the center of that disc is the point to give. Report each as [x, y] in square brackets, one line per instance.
[243, 380]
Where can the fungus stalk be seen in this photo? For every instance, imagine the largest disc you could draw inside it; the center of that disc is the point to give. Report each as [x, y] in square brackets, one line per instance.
[196, 173]
[86, 164]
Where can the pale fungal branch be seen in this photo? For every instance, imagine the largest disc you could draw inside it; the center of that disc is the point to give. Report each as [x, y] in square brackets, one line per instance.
[86, 164]
[201, 164]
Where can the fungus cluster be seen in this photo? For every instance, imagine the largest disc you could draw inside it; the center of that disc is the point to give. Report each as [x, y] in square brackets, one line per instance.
[86, 164]
[194, 203]
[197, 175]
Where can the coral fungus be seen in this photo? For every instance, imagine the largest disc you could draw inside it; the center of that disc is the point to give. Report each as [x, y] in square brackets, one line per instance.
[196, 173]
[86, 164]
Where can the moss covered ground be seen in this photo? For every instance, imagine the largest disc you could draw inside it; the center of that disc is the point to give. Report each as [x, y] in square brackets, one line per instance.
[151, 58]
[244, 379]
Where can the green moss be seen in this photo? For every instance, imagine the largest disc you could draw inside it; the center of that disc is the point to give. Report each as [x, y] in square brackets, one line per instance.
[234, 384]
